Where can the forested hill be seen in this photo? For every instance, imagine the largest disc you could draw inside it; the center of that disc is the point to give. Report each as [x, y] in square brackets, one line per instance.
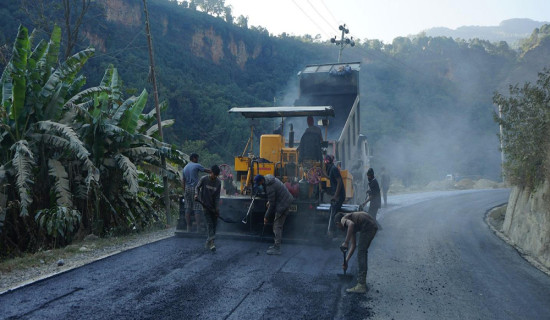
[427, 102]
[513, 31]
[204, 65]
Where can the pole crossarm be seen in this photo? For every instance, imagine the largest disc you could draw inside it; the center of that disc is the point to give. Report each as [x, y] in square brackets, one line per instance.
[343, 41]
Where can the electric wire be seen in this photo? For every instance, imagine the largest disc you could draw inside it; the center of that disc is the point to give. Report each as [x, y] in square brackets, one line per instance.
[329, 12]
[320, 15]
[140, 32]
[310, 19]
[114, 54]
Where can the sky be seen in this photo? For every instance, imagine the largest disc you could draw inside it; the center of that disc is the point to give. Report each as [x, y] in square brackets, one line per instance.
[382, 19]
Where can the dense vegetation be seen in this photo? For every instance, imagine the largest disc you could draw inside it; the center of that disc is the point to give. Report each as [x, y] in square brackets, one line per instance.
[71, 158]
[525, 117]
[427, 107]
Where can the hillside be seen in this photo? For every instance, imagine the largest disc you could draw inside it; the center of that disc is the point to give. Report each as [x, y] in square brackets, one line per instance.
[512, 31]
[427, 101]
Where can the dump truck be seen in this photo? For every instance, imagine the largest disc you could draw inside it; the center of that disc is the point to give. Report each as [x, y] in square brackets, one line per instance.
[330, 94]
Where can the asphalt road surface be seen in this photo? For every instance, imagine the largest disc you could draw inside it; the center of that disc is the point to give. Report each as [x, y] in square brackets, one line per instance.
[434, 259]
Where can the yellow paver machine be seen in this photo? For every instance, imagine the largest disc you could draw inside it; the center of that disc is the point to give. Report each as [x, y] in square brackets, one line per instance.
[328, 93]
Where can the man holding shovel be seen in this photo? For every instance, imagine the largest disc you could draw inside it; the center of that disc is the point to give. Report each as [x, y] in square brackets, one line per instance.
[279, 201]
[363, 223]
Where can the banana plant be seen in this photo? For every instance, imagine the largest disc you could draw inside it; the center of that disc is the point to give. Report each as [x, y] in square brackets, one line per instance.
[35, 148]
[121, 140]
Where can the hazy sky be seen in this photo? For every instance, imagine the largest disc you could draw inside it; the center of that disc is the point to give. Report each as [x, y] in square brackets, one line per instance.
[382, 19]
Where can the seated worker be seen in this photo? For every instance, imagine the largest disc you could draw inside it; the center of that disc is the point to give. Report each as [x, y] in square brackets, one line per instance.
[310, 143]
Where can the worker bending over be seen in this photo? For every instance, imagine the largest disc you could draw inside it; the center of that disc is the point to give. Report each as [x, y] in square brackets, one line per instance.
[363, 223]
[279, 201]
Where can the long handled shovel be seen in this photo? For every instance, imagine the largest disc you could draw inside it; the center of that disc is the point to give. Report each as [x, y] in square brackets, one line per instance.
[344, 276]
[245, 219]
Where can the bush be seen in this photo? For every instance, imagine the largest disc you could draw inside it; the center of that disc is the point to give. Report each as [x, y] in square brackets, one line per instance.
[525, 121]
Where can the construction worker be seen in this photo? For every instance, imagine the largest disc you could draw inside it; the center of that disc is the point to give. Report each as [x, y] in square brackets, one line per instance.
[279, 200]
[207, 193]
[373, 194]
[352, 223]
[189, 182]
[310, 143]
[337, 190]
[385, 185]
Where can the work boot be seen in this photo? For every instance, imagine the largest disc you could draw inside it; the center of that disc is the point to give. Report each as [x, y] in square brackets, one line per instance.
[207, 244]
[212, 246]
[359, 288]
[274, 250]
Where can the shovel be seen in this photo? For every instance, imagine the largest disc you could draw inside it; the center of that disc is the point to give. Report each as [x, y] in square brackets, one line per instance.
[344, 276]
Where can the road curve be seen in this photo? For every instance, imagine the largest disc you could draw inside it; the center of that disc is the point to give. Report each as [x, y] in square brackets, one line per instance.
[434, 259]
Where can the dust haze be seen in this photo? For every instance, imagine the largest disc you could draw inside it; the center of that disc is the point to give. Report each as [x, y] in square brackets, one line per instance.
[458, 139]
[440, 145]
[451, 133]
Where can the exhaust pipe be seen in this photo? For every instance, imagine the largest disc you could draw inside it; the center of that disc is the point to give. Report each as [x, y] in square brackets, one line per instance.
[291, 137]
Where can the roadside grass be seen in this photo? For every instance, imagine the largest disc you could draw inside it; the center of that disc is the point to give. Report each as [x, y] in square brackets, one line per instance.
[496, 217]
[89, 244]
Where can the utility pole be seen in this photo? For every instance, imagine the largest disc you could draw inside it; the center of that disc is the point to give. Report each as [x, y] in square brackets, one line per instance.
[157, 109]
[343, 41]
[501, 144]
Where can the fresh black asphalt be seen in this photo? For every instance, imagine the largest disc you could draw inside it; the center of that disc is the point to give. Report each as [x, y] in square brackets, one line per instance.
[434, 259]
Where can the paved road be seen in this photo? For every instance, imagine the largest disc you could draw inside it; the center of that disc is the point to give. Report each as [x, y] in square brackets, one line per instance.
[434, 259]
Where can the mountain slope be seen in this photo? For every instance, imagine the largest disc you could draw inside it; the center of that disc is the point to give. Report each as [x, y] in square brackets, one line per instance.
[511, 31]
[427, 101]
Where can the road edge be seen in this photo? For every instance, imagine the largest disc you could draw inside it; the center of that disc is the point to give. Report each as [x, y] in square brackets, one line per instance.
[127, 246]
[524, 254]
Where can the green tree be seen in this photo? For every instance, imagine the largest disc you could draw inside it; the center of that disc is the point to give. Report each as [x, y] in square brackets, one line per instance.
[242, 21]
[122, 144]
[207, 158]
[526, 127]
[228, 14]
[36, 149]
[44, 16]
[212, 7]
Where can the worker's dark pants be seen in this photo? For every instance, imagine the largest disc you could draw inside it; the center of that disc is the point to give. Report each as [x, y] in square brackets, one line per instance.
[365, 238]
[211, 222]
[335, 207]
[278, 223]
[190, 203]
[373, 211]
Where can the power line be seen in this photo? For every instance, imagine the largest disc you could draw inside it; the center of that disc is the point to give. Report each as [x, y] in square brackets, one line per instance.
[313, 21]
[115, 54]
[329, 12]
[319, 14]
[127, 45]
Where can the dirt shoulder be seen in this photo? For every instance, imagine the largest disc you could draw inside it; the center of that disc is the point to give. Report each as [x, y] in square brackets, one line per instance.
[495, 219]
[20, 271]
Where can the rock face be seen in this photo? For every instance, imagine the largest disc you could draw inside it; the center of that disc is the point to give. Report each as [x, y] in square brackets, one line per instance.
[527, 221]
[124, 12]
[205, 42]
